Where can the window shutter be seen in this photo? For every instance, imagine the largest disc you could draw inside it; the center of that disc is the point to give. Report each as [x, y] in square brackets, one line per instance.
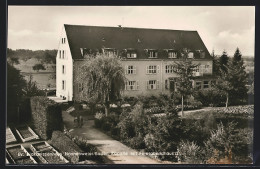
[158, 68]
[126, 71]
[137, 85]
[147, 72]
[158, 84]
[134, 69]
[126, 85]
[147, 84]
[156, 54]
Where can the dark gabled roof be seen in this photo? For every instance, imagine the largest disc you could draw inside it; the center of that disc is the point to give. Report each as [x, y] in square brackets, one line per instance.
[120, 38]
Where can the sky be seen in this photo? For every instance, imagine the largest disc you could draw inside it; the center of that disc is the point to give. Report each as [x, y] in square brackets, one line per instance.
[220, 27]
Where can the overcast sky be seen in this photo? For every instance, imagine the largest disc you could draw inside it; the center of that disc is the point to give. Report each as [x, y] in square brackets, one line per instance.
[39, 27]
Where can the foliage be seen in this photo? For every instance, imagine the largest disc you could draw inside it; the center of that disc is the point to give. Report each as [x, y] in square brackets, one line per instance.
[45, 56]
[223, 61]
[31, 88]
[15, 85]
[190, 152]
[38, 67]
[233, 79]
[184, 69]
[103, 79]
[209, 97]
[64, 144]
[46, 116]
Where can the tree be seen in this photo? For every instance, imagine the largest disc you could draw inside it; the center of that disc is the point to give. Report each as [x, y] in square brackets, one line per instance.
[15, 84]
[31, 88]
[13, 60]
[233, 79]
[103, 80]
[38, 67]
[184, 68]
[223, 61]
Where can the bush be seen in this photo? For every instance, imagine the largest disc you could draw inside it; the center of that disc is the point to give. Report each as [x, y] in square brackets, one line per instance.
[189, 152]
[46, 116]
[64, 144]
[210, 97]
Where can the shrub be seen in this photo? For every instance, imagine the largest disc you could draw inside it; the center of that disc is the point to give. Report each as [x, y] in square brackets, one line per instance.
[137, 142]
[64, 144]
[210, 96]
[46, 116]
[189, 152]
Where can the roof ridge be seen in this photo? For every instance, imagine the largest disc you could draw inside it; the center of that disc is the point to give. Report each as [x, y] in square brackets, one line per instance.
[131, 28]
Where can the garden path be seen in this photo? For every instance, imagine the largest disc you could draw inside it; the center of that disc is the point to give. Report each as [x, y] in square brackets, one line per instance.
[120, 153]
[192, 111]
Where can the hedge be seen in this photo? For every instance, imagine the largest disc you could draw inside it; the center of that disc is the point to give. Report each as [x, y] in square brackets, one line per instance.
[46, 116]
[67, 147]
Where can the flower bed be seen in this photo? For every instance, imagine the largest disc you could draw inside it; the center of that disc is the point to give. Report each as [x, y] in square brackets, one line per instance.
[26, 133]
[10, 138]
[19, 155]
[44, 147]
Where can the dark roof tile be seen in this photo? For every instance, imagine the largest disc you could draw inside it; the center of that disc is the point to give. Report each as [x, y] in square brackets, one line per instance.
[96, 37]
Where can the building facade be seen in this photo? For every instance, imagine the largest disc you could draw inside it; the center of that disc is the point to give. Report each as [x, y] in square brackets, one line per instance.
[146, 55]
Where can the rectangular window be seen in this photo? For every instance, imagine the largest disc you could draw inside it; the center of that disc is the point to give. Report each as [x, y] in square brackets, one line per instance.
[60, 53]
[63, 69]
[131, 55]
[152, 84]
[63, 85]
[132, 85]
[169, 69]
[206, 84]
[131, 69]
[64, 41]
[152, 69]
[202, 55]
[153, 54]
[190, 55]
[172, 54]
[63, 54]
[198, 85]
[80, 87]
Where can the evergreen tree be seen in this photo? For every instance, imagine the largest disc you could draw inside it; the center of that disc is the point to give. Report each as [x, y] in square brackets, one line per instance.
[223, 61]
[216, 64]
[237, 56]
[232, 80]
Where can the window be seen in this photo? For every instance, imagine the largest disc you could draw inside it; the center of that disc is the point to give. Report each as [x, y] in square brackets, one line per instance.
[132, 85]
[152, 69]
[153, 54]
[130, 69]
[63, 69]
[109, 52]
[169, 69]
[198, 85]
[80, 87]
[63, 85]
[63, 54]
[207, 68]
[152, 84]
[60, 53]
[131, 55]
[172, 54]
[206, 84]
[63, 40]
[190, 55]
[196, 71]
[202, 54]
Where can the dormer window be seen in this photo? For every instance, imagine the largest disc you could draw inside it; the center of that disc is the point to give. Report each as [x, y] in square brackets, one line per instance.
[202, 54]
[131, 53]
[190, 55]
[172, 54]
[152, 53]
[110, 52]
